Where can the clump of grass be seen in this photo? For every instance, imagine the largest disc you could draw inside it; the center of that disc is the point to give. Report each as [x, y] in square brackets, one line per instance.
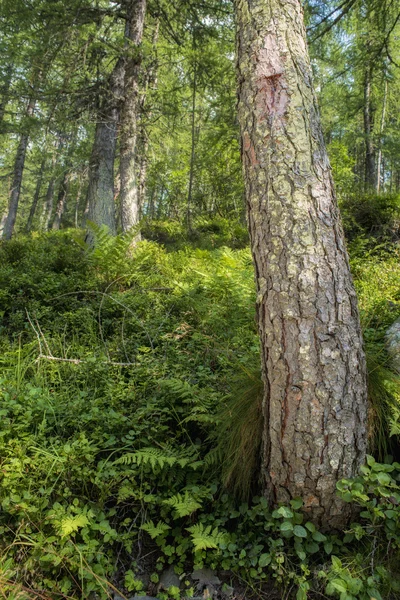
[239, 433]
[383, 396]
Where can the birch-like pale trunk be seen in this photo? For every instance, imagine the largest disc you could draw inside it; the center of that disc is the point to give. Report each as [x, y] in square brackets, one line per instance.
[100, 195]
[136, 10]
[19, 165]
[382, 129]
[315, 400]
[368, 133]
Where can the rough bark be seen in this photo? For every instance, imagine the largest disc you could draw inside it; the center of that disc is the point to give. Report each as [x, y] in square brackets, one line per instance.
[368, 133]
[314, 372]
[17, 178]
[136, 10]
[101, 168]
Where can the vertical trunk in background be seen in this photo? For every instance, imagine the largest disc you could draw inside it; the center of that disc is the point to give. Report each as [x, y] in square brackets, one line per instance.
[47, 212]
[193, 145]
[17, 178]
[143, 146]
[101, 168]
[136, 10]
[368, 133]
[62, 199]
[382, 128]
[4, 92]
[36, 196]
[315, 400]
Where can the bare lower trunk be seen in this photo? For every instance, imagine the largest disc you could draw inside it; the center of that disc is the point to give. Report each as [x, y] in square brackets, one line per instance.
[129, 116]
[314, 372]
[383, 119]
[17, 178]
[101, 170]
[192, 152]
[36, 197]
[5, 92]
[368, 132]
[61, 200]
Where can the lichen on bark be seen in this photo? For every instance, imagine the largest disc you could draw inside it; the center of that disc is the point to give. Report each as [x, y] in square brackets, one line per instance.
[313, 363]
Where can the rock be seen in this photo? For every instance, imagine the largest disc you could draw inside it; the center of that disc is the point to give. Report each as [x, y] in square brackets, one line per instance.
[205, 577]
[392, 338]
[169, 578]
[137, 597]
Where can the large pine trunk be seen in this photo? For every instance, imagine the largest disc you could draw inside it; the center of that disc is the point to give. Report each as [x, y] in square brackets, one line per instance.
[136, 10]
[315, 402]
[100, 196]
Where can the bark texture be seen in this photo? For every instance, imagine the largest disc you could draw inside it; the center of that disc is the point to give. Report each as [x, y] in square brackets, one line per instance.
[136, 10]
[36, 196]
[19, 165]
[101, 169]
[315, 403]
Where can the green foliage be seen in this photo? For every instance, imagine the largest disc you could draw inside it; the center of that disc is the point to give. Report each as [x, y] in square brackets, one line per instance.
[127, 445]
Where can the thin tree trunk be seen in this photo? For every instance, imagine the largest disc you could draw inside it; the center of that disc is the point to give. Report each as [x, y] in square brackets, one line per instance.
[143, 146]
[4, 92]
[47, 213]
[368, 132]
[192, 153]
[315, 401]
[36, 196]
[78, 197]
[100, 193]
[62, 199]
[17, 179]
[129, 115]
[382, 128]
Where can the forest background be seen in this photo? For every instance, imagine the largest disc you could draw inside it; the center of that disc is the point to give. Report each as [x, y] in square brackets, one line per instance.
[130, 389]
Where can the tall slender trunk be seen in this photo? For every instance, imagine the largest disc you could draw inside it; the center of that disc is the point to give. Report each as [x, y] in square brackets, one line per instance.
[5, 91]
[36, 196]
[100, 193]
[382, 128]
[136, 11]
[315, 401]
[368, 133]
[62, 198]
[193, 150]
[17, 178]
[48, 205]
[78, 197]
[143, 145]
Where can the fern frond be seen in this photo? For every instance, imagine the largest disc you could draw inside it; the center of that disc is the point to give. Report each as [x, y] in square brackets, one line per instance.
[155, 531]
[183, 505]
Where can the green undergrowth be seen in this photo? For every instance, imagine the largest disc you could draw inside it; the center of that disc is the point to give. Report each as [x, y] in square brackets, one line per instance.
[128, 382]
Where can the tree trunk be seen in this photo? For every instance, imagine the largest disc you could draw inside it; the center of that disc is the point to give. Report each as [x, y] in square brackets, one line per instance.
[101, 169]
[193, 150]
[383, 119]
[47, 213]
[62, 199]
[4, 92]
[368, 132]
[315, 400]
[143, 146]
[129, 115]
[17, 179]
[36, 196]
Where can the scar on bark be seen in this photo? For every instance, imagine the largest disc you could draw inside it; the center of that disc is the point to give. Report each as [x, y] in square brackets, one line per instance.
[249, 150]
[272, 96]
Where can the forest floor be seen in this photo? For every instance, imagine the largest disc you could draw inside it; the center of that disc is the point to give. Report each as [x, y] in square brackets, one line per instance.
[130, 424]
